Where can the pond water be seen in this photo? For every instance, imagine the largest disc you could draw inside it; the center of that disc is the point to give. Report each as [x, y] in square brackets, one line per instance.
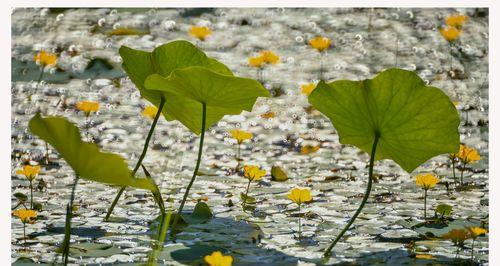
[364, 42]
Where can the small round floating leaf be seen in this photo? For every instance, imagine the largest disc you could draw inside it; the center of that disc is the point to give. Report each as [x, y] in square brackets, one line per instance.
[415, 122]
[222, 94]
[201, 214]
[85, 158]
[444, 209]
[278, 174]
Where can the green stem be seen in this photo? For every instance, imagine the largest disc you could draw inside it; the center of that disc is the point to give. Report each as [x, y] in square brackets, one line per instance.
[246, 194]
[238, 154]
[453, 167]
[31, 188]
[198, 160]
[139, 162]
[299, 224]
[24, 233]
[365, 197]
[67, 227]
[472, 251]
[320, 66]
[451, 58]
[425, 204]
[462, 174]
[46, 153]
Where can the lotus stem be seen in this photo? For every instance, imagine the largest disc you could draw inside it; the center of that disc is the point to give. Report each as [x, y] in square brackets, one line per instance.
[67, 227]
[246, 194]
[198, 160]
[141, 158]
[365, 197]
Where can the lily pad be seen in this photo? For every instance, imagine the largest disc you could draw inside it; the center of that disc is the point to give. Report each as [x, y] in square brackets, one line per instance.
[415, 122]
[444, 209]
[93, 250]
[85, 158]
[192, 255]
[201, 214]
[278, 174]
[222, 94]
[20, 196]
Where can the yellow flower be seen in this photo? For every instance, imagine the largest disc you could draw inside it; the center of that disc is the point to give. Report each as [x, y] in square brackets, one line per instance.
[253, 172]
[425, 256]
[450, 33]
[26, 216]
[200, 32]
[150, 112]
[257, 61]
[300, 196]
[468, 155]
[477, 231]
[457, 236]
[87, 107]
[320, 43]
[269, 114]
[45, 59]
[306, 149]
[269, 57]
[307, 88]
[217, 259]
[456, 20]
[30, 172]
[240, 135]
[426, 181]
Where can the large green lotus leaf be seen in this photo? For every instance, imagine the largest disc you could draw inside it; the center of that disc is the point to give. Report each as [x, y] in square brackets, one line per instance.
[222, 94]
[163, 60]
[415, 122]
[85, 158]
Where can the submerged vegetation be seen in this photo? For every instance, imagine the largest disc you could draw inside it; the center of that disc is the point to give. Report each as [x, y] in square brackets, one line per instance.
[374, 131]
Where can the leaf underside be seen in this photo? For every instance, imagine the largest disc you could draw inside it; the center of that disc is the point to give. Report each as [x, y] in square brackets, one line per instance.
[85, 158]
[415, 122]
[163, 60]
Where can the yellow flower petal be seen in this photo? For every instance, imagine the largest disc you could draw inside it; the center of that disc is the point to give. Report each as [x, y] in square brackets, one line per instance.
[425, 256]
[426, 181]
[257, 61]
[45, 59]
[468, 154]
[269, 114]
[25, 215]
[300, 196]
[307, 149]
[320, 43]
[240, 135]
[269, 57]
[150, 112]
[457, 20]
[30, 172]
[477, 231]
[253, 172]
[87, 107]
[217, 259]
[450, 33]
[307, 88]
[200, 32]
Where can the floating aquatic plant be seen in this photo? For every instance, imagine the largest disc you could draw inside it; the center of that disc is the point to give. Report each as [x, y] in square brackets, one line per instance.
[321, 44]
[265, 57]
[26, 216]
[87, 161]
[300, 196]
[467, 155]
[426, 182]
[392, 116]
[240, 136]
[30, 172]
[475, 232]
[252, 172]
[457, 237]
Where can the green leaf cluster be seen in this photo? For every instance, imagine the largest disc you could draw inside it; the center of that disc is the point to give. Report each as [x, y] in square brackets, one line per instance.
[186, 77]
